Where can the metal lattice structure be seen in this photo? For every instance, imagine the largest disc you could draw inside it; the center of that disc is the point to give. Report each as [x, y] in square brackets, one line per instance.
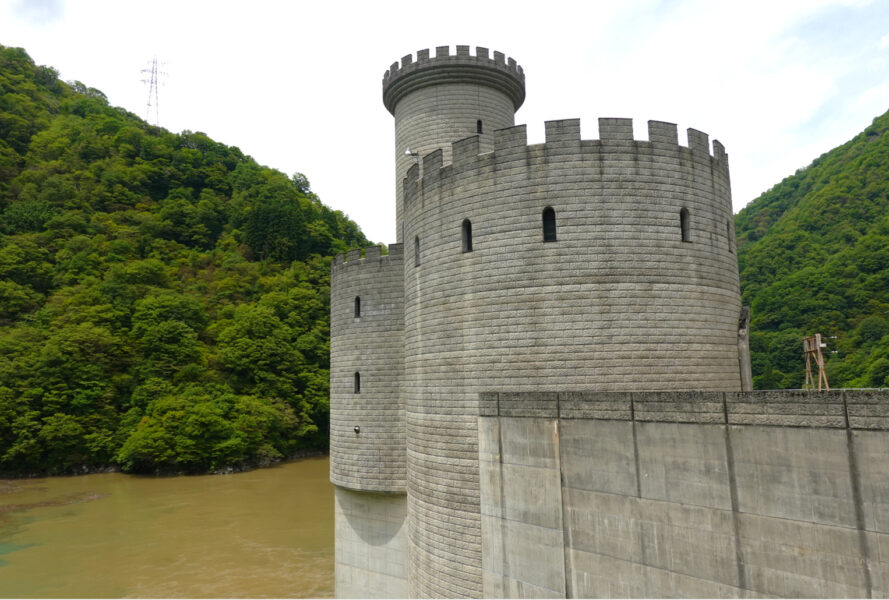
[151, 80]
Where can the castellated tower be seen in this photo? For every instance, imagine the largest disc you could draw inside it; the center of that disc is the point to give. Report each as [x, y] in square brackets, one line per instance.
[437, 101]
[573, 265]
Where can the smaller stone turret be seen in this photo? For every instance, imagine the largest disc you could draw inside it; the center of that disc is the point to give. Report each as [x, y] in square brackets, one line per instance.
[367, 443]
[439, 100]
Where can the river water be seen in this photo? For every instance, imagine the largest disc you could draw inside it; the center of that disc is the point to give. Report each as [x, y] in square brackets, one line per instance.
[264, 533]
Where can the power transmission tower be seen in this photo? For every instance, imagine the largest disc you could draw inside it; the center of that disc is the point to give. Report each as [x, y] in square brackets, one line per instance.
[152, 81]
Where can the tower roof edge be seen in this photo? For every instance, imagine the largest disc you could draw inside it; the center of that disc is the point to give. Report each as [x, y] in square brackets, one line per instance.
[497, 72]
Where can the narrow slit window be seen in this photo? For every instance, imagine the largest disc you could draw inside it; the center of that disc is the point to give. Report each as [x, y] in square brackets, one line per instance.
[417, 251]
[684, 225]
[729, 236]
[357, 383]
[357, 306]
[478, 126]
[549, 224]
[467, 235]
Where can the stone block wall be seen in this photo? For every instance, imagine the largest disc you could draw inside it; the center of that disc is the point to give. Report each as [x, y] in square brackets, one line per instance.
[680, 495]
[439, 99]
[637, 289]
[619, 301]
[371, 345]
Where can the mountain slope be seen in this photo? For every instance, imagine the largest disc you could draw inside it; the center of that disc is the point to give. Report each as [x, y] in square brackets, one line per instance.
[814, 258]
[163, 298]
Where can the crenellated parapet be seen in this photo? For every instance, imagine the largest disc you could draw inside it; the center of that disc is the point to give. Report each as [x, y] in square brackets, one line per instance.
[372, 255]
[497, 71]
[616, 143]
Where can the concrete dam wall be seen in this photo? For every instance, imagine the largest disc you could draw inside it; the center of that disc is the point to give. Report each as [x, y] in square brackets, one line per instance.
[713, 494]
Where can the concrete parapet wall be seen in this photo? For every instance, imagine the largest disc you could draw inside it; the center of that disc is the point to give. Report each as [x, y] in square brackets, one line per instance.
[836, 409]
[371, 345]
[644, 494]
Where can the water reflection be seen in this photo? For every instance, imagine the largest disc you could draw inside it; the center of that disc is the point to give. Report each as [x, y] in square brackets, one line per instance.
[266, 533]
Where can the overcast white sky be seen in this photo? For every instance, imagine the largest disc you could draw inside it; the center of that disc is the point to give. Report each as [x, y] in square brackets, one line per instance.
[298, 85]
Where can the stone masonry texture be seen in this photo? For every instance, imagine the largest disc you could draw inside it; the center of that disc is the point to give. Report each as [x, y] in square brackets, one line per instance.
[638, 292]
[440, 99]
[371, 345]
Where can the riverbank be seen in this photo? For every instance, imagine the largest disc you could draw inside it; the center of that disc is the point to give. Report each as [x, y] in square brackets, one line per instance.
[228, 470]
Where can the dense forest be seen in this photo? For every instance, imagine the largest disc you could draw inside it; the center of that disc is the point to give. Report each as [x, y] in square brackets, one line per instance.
[814, 258]
[164, 299]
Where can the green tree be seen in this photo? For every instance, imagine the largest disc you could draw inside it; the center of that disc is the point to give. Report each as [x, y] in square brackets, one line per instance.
[163, 298]
[814, 258]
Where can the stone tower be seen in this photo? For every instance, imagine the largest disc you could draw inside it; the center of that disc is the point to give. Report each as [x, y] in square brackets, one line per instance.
[572, 265]
[439, 100]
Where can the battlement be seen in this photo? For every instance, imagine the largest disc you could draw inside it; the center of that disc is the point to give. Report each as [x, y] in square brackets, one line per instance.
[498, 72]
[563, 138]
[372, 255]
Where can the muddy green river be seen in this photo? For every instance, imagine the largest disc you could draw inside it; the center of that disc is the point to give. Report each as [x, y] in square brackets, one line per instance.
[266, 533]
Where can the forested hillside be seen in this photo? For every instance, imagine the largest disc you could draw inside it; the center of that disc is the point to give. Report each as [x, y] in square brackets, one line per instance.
[163, 298]
[814, 258]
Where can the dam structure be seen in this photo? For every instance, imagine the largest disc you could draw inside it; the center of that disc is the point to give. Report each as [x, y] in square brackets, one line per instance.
[543, 388]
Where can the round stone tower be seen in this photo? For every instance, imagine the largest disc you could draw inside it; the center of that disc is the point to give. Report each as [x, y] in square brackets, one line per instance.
[437, 101]
[572, 265]
[604, 265]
